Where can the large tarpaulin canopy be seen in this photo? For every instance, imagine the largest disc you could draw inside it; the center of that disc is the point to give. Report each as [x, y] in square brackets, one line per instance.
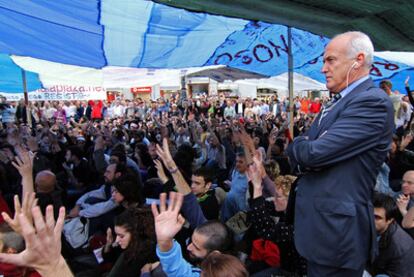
[145, 34]
[388, 23]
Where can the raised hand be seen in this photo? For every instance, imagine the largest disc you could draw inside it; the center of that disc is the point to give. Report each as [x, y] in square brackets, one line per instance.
[406, 140]
[24, 163]
[32, 144]
[168, 220]
[29, 202]
[406, 81]
[165, 155]
[255, 174]
[43, 244]
[160, 171]
[402, 203]
[273, 135]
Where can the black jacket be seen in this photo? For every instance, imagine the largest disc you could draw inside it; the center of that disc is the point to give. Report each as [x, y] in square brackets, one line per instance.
[396, 254]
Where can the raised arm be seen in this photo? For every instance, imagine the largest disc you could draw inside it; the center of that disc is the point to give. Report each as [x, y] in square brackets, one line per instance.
[165, 155]
[43, 244]
[24, 164]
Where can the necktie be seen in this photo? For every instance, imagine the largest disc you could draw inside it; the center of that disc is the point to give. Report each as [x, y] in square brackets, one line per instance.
[328, 106]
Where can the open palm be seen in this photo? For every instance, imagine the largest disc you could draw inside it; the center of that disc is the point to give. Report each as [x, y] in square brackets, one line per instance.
[168, 221]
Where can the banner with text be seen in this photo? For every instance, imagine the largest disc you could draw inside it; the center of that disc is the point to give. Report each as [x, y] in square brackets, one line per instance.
[61, 92]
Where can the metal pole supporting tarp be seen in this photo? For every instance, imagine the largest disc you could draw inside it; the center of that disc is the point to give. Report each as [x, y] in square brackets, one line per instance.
[290, 82]
[26, 99]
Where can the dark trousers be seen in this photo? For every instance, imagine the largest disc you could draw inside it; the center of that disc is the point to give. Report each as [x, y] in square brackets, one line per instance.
[317, 270]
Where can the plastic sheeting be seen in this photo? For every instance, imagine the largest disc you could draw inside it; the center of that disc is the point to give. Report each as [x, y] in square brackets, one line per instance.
[144, 34]
[11, 79]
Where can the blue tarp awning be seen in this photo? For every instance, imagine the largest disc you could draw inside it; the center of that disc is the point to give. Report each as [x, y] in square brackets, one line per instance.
[138, 33]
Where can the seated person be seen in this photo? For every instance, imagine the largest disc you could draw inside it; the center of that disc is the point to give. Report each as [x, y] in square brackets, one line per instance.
[126, 194]
[206, 238]
[405, 199]
[236, 198]
[98, 202]
[222, 265]
[12, 243]
[396, 247]
[263, 215]
[47, 191]
[134, 245]
[77, 169]
[201, 182]
[118, 155]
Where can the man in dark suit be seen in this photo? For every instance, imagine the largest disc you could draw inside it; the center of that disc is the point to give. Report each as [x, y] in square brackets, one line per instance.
[339, 158]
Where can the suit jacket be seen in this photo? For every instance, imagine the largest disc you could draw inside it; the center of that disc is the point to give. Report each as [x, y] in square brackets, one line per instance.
[341, 156]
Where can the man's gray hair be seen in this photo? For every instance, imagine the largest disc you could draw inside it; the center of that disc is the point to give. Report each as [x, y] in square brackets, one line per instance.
[360, 43]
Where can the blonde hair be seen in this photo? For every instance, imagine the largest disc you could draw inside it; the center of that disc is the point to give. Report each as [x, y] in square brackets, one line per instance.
[272, 169]
[284, 183]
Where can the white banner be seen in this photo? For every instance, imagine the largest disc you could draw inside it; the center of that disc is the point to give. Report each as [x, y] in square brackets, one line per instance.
[61, 92]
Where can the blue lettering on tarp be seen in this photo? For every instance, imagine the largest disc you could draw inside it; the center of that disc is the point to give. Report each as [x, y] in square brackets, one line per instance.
[261, 47]
[380, 69]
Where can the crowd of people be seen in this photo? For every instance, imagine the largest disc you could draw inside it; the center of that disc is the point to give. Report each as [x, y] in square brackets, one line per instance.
[190, 187]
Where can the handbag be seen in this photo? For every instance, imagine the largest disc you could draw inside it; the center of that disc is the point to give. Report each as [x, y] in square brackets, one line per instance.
[238, 223]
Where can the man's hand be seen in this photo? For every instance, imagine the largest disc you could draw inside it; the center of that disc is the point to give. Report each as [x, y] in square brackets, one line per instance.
[165, 155]
[168, 220]
[402, 203]
[43, 244]
[256, 173]
[273, 135]
[74, 212]
[406, 81]
[29, 202]
[149, 267]
[160, 171]
[406, 140]
[32, 144]
[66, 167]
[24, 163]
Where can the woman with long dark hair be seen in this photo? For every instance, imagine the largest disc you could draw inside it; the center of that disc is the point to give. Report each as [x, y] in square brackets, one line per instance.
[135, 242]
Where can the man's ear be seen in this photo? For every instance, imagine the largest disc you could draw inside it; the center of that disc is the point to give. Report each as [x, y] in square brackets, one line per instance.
[208, 185]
